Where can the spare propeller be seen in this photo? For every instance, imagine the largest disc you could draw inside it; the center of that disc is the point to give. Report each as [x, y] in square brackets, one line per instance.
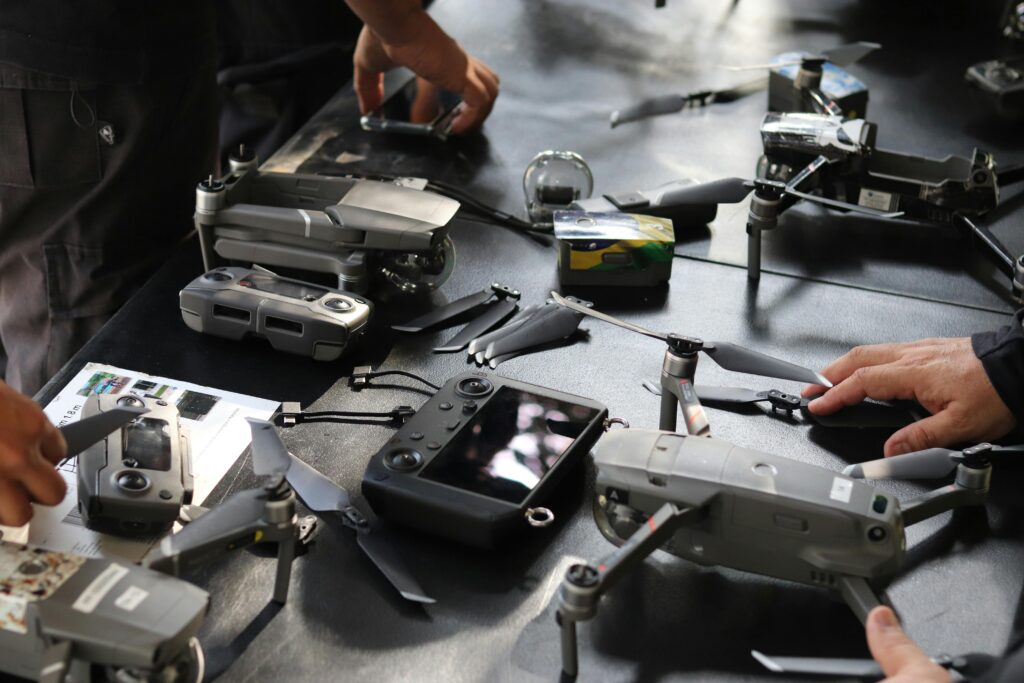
[84, 433]
[323, 496]
[868, 414]
[670, 104]
[931, 463]
[727, 355]
[843, 55]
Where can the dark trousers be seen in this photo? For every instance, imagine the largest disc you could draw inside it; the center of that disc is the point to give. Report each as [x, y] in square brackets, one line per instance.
[96, 186]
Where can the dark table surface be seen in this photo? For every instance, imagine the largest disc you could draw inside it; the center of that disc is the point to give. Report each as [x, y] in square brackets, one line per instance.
[839, 282]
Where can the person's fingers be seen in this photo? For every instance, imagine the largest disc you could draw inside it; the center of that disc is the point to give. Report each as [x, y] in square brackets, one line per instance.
[937, 430]
[894, 651]
[52, 445]
[884, 382]
[861, 357]
[369, 86]
[14, 504]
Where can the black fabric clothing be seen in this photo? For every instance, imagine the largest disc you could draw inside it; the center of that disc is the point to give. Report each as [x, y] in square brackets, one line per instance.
[99, 162]
[1002, 354]
[278, 64]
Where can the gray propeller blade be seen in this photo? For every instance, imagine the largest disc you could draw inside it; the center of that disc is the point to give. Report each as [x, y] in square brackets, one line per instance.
[723, 191]
[269, 455]
[445, 313]
[494, 316]
[580, 308]
[656, 106]
[84, 433]
[844, 55]
[738, 359]
[383, 555]
[824, 666]
[226, 522]
[728, 394]
[319, 493]
[845, 206]
[541, 329]
[481, 342]
[931, 463]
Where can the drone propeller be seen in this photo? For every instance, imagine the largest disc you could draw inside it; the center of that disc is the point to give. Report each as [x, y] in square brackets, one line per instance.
[84, 433]
[321, 495]
[931, 463]
[670, 104]
[843, 55]
[727, 355]
[836, 667]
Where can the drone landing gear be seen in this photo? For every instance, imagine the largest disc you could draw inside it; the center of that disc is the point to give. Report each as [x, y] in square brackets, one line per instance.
[584, 584]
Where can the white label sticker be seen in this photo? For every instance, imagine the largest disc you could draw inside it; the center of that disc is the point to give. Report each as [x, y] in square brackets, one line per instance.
[131, 598]
[876, 199]
[841, 490]
[98, 589]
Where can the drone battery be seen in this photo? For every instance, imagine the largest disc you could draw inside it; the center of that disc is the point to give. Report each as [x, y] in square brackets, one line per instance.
[624, 249]
[479, 460]
[837, 84]
[294, 316]
[135, 481]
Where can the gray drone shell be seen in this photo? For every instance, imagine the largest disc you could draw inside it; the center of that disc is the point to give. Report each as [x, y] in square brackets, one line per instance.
[765, 514]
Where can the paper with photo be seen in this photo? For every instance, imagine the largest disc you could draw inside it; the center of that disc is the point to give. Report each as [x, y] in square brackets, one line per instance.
[218, 434]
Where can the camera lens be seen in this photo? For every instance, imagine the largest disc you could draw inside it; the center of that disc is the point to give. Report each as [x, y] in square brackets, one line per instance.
[474, 387]
[132, 481]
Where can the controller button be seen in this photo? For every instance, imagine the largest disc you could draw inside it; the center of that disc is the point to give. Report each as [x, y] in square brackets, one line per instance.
[132, 481]
[453, 425]
[474, 387]
[468, 406]
[338, 304]
[217, 277]
[433, 445]
[445, 406]
[403, 459]
[416, 436]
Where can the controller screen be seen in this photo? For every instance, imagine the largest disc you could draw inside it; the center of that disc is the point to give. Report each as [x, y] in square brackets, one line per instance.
[269, 283]
[148, 443]
[509, 445]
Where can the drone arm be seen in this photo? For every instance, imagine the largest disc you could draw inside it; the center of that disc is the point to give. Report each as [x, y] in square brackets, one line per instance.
[584, 584]
[859, 595]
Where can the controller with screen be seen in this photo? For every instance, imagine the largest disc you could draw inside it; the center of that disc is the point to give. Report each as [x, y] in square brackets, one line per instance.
[134, 482]
[294, 316]
[479, 460]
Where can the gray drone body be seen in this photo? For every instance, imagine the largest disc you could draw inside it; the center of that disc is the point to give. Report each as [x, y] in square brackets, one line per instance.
[346, 227]
[294, 316]
[61, 613]
[764, 513]
[135, 480]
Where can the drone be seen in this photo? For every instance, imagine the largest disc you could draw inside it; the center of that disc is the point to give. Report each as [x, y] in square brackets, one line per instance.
[358, 230]
[680, 365]
[797, 82]
[140, 622]
[716, 504]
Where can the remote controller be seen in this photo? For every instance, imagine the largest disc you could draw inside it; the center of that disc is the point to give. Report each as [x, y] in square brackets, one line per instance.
[294, 316]
[478, 461]
[135, 481]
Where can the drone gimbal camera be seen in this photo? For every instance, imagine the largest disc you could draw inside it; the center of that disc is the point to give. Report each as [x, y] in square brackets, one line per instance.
[348, 227]
[716, 504]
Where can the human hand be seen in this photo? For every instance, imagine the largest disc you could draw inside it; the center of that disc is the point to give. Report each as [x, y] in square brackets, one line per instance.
[901, 659]
[943, 375]
[436, 58]
[30, 447]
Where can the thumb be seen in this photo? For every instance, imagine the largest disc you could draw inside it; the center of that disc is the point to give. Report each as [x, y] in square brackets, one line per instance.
[936, 430]
[890, 646]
